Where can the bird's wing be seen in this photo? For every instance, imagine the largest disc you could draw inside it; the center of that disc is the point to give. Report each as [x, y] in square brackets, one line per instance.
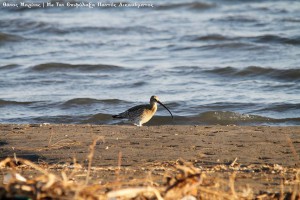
[131, 112]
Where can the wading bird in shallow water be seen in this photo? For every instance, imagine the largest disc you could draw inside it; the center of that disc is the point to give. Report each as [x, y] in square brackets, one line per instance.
[141, 114]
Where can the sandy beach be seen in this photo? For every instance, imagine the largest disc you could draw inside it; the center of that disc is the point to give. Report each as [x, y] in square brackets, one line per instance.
[271, 152]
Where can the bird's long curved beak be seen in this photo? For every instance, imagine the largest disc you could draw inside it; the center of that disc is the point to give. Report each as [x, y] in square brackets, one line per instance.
[165, 108]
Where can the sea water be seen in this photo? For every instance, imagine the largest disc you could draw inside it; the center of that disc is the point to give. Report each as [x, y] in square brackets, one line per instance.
[209, 62]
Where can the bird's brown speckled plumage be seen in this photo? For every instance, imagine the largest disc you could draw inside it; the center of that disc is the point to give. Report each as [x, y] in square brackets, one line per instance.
[141, 114]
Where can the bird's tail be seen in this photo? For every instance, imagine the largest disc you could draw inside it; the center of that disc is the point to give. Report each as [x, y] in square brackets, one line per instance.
[117, 116]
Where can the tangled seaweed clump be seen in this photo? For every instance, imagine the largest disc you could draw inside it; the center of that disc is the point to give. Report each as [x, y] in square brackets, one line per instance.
[179, 180]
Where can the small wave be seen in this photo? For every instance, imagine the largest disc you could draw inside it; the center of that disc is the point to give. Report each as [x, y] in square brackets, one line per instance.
[210, 37]
[185, 70]
[89, 101]
[138, 84]
[232, 45]
[22, 24]
[31, 26]
[281, 107]
[219, 47]
[209, 117]
[129, 84]
[206, 118]
[290, 19]
[80, 67]
[255, 71]
[192, 6]
[257, 39]
[9, 67]
[4, 37]
[276, 39]
[227, 117]
[13, 103]
[236, 19]
[126, 30]
[55, 29]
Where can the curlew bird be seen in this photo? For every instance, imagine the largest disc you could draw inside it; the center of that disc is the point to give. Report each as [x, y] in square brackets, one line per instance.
[141, 114]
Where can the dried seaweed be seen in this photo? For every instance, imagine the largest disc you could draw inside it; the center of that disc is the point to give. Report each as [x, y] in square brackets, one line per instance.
[181, 180]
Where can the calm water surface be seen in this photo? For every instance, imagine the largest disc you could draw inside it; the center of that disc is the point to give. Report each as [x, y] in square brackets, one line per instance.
[210, 62]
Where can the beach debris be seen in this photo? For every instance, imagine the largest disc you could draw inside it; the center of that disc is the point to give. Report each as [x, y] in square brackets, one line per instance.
[12, 177]
[130, 193]
[180, 180]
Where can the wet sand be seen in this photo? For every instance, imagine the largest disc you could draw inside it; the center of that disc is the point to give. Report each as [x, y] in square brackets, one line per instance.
[139, 150]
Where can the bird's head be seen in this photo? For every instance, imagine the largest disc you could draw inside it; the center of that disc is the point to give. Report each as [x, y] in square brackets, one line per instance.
[154, 99]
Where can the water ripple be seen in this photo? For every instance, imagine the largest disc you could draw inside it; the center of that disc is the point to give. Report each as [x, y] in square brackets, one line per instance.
[67, 67]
